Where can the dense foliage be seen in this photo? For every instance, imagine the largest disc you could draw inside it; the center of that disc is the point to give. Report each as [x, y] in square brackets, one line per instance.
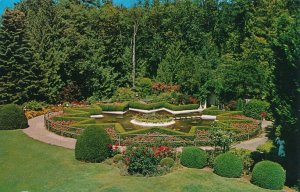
[228, 165]
[12, 117]
[193, 157]
[92, 145]
[202, 47]
[67, 50]
[255, 108]
[268, 174]
[246, 156]
[143, 160]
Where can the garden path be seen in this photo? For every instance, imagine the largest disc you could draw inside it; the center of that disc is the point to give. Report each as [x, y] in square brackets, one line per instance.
[37, 131]
[252, 144]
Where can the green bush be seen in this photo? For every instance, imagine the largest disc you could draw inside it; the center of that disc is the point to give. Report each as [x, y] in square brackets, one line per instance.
[193, 157]
[228, 165]
[144, 87]
[12, 117]
[254, 108]
[267, 147]
[92, 145]
[167, 162]
[34, 105]
[269, 175]
[246, 156]
[92, 100]
[124, 94]
[118, 157]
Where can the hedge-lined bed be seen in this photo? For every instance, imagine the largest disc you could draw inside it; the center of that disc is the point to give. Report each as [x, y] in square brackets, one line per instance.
[146, 106]
[232, 121]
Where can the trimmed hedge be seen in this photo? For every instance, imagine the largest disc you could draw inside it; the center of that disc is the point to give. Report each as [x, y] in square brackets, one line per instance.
[212, 112]
[193, 157]
[12, 117]
[181, 107]
[67, 118]
[167, 162]
[82, 112]
[114, 106]
[92, 145]
[91, 111]
[158, 105]
[254, 108]
[144, 106]
[228, 165]
[269, 175]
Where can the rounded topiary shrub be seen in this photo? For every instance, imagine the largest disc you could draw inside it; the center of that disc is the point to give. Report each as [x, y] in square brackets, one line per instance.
[269, 175]
[228, 165]
[193, 157]
[12, 117]
[167, 162]
[92, 145]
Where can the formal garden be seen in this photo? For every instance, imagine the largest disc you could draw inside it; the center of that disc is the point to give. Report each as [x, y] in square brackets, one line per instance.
[149, 95]
[201, 137]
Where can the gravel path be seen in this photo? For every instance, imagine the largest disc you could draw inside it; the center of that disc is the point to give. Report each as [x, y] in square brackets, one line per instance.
[37, 131]
[252, 144]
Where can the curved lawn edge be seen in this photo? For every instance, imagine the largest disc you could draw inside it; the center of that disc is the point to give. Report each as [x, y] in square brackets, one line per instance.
[52, 168]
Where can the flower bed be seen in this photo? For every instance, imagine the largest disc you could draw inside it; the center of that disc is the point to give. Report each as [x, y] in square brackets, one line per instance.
[156, 137]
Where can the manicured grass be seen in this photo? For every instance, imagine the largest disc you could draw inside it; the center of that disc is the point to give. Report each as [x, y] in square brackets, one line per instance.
[28, 165]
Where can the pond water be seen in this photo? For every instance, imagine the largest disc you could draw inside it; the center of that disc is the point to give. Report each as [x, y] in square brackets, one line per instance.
[183, 125]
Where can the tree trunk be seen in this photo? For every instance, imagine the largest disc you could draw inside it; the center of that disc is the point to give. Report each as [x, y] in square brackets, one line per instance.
[135, 28]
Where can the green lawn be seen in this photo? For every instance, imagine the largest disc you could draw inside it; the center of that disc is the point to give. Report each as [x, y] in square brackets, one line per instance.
[28, 165]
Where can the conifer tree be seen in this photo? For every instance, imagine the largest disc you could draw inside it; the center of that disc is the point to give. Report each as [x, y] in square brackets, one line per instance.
[16, 67]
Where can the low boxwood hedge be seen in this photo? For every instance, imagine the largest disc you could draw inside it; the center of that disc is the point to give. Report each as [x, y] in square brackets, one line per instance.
[193, 157]
[12, 117]
[151, 106]
[92, 145]
[66, 118]
[114, 106]
[91, 111]
[269, 175]
[181, 107]
[144, 106]
[212, 112]
[228, 165]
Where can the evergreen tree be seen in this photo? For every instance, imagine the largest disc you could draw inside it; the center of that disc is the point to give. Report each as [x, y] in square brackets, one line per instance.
[17, 69]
